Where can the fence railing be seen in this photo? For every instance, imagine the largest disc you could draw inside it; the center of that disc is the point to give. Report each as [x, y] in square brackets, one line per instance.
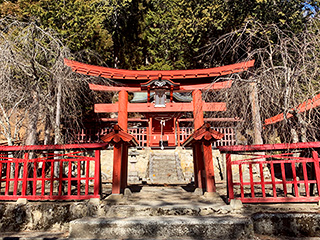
[52, 172]
[273, 173]
[140, 133]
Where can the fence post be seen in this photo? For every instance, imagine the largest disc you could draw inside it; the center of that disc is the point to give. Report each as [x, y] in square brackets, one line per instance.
[116, 174]
[229, 177]
[199, 165]
[124, 166]
[16, 176]
[97, 174]
[208, 163]
[316, 168]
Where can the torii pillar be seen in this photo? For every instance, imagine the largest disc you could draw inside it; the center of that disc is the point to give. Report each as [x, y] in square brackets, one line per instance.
[121, 140]
[122, 158]
[198, 163]
[201, 141]
[202, 149]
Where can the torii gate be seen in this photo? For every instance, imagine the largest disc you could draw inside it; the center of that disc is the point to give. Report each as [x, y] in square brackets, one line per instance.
[158, 84]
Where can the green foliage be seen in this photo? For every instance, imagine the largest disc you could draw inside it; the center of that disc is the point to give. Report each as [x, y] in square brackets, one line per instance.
[154, 34]
[78, 22]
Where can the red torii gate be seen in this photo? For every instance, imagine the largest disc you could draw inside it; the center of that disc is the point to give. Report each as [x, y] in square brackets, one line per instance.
[160, 82]
[305, 106]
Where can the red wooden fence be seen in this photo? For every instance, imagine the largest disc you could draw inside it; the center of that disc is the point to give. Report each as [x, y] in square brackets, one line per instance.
[29, 172]
[281, 173]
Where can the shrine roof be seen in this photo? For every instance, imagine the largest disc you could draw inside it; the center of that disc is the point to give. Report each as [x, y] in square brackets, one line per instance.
[305, 106]
[145, 75]
[204, 133]
[119, 135]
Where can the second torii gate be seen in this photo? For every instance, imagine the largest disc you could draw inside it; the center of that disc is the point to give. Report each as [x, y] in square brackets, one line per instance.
[157, 85]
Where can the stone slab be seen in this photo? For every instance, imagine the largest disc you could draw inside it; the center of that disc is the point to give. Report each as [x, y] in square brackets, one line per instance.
[287, 224]
[162, 227]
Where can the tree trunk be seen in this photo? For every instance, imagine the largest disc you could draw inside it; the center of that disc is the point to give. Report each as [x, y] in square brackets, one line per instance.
[47, 130]
[255, 109]
[57, 124]
[33, 116]
[303, 128]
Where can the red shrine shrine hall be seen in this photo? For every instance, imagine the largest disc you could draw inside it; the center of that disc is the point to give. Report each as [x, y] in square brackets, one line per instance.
[159, 97]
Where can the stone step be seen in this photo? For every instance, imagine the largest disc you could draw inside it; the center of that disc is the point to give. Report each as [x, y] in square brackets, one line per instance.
[164, 169]
[164, 163]
[162, 227]
[165, 178]
[164, 160]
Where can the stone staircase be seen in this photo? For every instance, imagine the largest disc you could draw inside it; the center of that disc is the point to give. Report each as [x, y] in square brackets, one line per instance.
[165, 168]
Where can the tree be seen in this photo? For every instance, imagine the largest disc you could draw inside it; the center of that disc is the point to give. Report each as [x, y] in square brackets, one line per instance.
[37, 86]
[285, 75]
[79, 23]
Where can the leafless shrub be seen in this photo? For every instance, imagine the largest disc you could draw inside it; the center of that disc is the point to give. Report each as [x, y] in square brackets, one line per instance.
[286, 74]
[35, 85]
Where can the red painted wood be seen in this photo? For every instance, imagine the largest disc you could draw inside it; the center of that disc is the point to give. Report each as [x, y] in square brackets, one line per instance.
[62, 180]
[262, 180]
[212, 120]
[284, 181]
[268, 147]
[294, 174]
[7, 178]
[305, 106]
[274, 190]
[69, 178]
[150, 130]
[197, 105]
[55, 197]
[78, 178]
[305, 176]
[121, 74]
[280, 159]
[150, 108]
[184, 88]
[178, 133]
[208, 162]
[53, 147]
[43, 187]
[279, 199]
[200, 165]
[97, 174]
[251, 180]
[116, 175]
[51, 178]
[241, 181]
[124, 166]
[123, 110]
[16, 174]
[316, 168]
[88, 172]
[229, 177]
